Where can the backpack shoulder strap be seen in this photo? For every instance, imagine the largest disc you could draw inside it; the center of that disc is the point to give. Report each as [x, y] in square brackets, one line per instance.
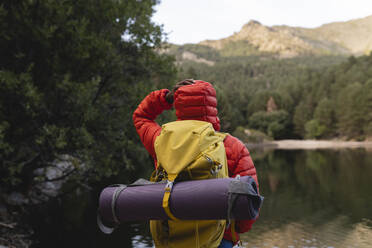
[221, 134]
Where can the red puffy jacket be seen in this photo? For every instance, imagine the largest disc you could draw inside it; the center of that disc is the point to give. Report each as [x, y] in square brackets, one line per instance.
[194, 102]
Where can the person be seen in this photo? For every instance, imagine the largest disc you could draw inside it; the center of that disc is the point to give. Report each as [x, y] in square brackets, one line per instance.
[194, 100]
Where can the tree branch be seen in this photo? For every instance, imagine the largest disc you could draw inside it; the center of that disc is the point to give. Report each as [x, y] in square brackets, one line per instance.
[61, 177]
[10, 226]
[101, 86]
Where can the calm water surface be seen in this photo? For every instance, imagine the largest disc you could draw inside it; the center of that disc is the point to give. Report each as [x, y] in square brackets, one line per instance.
[312, 199]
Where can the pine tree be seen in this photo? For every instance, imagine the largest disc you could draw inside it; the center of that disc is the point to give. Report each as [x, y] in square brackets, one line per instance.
[71, 74]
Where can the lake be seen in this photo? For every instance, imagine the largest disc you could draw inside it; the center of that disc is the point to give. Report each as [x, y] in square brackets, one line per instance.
[320, 198]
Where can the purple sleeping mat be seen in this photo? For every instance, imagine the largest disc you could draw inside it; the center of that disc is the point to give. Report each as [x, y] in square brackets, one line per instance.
[227, 198]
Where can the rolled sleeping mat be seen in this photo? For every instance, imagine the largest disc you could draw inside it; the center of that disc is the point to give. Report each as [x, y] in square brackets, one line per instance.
[212, 199]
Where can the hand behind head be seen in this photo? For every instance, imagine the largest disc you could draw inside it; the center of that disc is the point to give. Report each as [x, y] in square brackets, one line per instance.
[170, 94]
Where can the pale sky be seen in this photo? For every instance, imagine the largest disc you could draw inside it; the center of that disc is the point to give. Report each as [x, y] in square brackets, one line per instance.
[192, 21]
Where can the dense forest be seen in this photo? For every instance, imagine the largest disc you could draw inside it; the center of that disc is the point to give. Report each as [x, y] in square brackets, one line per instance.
[71, 75]
[319, 97]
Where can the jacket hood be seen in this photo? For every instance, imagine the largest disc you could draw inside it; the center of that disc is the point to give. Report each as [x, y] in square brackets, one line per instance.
[197, 102]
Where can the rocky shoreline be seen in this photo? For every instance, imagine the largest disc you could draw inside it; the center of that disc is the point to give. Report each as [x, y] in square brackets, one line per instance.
[311, 144]
[14, 231]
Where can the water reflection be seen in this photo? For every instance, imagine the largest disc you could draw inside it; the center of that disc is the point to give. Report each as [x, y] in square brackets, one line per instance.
[314, 199]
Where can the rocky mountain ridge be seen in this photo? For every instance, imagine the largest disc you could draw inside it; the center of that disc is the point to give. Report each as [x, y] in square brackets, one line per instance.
[352, 37]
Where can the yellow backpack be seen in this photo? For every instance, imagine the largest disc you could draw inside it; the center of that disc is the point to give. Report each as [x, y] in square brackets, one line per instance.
[188, 150]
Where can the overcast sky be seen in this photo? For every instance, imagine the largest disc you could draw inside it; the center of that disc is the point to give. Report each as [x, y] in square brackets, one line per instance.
[191, 21]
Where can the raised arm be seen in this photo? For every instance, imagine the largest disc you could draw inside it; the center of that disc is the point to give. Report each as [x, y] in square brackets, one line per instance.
[144, 118]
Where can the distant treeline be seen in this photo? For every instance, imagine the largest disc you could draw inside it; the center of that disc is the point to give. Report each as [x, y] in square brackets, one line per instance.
[305, 97]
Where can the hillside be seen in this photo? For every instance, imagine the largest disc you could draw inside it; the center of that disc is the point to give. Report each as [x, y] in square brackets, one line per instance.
[289, 82]
[301, 97]
[353, 37]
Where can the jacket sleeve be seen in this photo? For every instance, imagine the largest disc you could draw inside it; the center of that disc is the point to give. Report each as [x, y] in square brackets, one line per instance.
[240, 163]
[239, 159]
[144, 118]
[244, 166]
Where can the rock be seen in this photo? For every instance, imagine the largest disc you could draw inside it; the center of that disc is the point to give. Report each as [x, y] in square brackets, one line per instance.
[3, 211]
[55, 176]
[193, 57]
[16, 199]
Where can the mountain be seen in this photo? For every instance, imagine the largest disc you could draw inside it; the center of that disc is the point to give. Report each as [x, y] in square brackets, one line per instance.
[352, 37]
[288, 82]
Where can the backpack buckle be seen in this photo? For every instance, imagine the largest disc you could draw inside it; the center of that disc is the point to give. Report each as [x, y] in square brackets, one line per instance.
[209, 159]
[216, 169]
[168, 186]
